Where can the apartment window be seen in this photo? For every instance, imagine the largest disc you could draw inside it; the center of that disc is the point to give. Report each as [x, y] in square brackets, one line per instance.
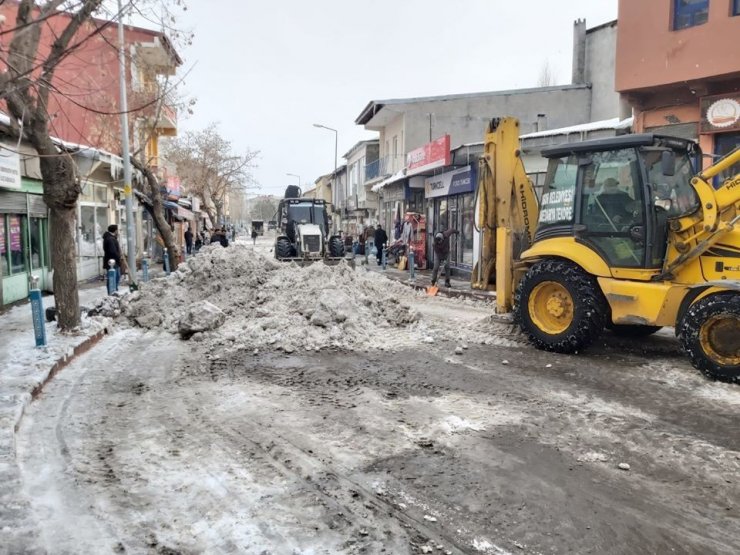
[689, 13]
[735, 7]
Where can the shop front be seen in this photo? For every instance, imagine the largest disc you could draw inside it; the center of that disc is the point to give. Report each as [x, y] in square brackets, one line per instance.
[394, 203]
[24, 240]
[450, 205]
[720, 129]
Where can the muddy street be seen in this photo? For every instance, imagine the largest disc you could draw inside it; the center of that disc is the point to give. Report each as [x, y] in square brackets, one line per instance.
[148, 444]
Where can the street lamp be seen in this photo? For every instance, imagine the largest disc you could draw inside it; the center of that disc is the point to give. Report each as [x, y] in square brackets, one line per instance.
[336, 147]
[295, 175]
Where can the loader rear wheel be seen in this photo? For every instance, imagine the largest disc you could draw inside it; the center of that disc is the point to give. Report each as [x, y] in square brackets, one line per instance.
[629, 330]
[283, 249]
[336, 247]
[560, 307]
[710, 335]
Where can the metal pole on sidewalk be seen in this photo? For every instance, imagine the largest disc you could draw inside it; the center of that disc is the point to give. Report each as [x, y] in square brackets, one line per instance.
[130, 228]
[412, 269]
[37, 312]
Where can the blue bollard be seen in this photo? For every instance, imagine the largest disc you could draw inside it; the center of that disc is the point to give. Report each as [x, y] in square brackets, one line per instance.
[37, 312]
[412, 270]
[144, 270]
[166, 262]
[112, 285]
[385, 257]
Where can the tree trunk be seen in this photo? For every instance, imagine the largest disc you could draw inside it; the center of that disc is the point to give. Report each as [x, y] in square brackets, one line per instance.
[64, 264]
[157, 212]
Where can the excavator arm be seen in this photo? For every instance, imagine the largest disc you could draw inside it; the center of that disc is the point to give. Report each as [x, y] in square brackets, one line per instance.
[719, 215]
[507, 212]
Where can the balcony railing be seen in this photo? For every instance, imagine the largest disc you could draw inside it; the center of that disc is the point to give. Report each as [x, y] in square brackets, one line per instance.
[383, 167]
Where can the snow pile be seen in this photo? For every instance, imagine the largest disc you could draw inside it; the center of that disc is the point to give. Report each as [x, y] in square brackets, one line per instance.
[276, 305]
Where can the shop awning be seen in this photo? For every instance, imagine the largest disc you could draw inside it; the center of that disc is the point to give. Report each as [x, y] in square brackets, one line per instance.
[398, 176]
[184, 214]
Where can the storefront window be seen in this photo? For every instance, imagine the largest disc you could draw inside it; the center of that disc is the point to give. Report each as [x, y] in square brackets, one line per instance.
[88, 193]
[467, 229]
[37, 259]
[101, 194]
[723, 145]
[16, 243]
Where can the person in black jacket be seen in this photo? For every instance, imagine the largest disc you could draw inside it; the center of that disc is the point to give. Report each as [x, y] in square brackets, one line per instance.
[381, 238]
[112, 251]
[188, 241]
[442, 254]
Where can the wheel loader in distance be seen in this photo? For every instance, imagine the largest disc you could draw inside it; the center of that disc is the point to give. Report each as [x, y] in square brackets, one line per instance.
[626, 236]
[303, 230]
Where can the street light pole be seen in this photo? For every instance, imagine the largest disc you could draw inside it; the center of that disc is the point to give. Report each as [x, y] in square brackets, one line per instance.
[336, 149]
[130, 229]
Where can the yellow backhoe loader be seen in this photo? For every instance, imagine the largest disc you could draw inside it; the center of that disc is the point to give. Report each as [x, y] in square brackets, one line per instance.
[625, 235]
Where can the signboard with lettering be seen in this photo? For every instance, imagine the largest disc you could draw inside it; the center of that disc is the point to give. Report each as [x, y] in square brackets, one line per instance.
[450, 183]
[557, 206]
[720, 113]
[396, 192]
[430, 156]
[10, 169]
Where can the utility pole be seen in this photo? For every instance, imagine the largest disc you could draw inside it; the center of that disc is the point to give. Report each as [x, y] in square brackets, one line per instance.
[128, 192]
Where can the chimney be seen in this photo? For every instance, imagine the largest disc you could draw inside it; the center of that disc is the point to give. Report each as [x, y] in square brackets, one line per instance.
[579, 51]
[541, 122]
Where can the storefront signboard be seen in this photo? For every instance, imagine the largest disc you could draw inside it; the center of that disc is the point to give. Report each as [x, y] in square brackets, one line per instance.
[10, 169]
[430, 156]
[15, 233]
[450, 183]
[173, 185]
[396, 192]
[720, 113]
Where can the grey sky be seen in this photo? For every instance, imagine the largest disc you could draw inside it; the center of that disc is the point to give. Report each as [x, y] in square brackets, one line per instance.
[266, 70]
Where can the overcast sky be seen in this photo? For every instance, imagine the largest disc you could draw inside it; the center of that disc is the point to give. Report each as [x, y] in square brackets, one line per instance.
[267, 70]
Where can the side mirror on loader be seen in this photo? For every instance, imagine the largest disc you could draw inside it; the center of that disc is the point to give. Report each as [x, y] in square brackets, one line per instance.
[668, 163]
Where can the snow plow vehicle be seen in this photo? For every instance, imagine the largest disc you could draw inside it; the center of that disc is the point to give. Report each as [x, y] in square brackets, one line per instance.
[303, 232]
[626, 236]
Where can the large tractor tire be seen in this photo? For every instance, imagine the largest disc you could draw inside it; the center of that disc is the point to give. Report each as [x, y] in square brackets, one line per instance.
[283, 249]
[560, 307]
[710, 334]
[336, 247]
[629, 330]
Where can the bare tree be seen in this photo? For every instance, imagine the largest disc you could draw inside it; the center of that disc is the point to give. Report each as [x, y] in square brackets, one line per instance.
[25, 86]
[547, 77]
[263, 208]
[210, 169]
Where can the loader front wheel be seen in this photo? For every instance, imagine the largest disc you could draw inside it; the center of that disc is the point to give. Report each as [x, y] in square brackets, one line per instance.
[710, 335]
[560, 307]
[283, 249]
[336, 247]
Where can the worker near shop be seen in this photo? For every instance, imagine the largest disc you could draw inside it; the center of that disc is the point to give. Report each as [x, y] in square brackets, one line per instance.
[381, 238]
[188, 241]
[442, 255]
[112, 251]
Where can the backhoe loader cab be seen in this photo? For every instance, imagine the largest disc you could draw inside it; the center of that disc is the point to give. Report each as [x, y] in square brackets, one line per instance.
[626, 235]
[303, 232]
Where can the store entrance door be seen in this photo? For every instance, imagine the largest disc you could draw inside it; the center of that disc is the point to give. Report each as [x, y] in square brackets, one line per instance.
[725, 143]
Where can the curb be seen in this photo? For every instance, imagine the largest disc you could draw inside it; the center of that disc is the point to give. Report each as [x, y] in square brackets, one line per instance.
[59, 365]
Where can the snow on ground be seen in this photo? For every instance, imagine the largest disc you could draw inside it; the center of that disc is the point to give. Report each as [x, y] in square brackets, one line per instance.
[273, 305]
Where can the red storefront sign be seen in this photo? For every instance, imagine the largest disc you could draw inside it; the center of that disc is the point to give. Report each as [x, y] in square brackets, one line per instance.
[432, 155]
[173, 185]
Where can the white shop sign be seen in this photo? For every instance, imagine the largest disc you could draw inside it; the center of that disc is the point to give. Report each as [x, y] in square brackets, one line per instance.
[10, 169]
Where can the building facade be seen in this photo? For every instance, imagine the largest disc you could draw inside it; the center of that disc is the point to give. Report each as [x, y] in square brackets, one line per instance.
[677, 75]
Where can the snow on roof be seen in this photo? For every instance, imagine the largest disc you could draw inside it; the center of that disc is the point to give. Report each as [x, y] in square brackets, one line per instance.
[613, 123]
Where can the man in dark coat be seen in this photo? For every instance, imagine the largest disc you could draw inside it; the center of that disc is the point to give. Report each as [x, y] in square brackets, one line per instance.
[112, 251]
[188, 241]
[381, 238]
[442, 254]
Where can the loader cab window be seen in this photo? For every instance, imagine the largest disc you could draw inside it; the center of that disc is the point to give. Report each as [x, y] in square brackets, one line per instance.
[612, 208]
[673, 194]
[557, 204]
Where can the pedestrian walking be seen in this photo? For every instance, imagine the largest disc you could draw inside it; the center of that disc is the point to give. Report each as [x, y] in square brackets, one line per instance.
[188, 241]
[381, 238]
[112, 251]
[223, 239]
[442, 255]
[254, 236]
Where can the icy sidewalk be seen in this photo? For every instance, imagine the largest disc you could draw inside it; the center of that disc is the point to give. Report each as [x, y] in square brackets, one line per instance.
[23, 370]
[423, 279]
